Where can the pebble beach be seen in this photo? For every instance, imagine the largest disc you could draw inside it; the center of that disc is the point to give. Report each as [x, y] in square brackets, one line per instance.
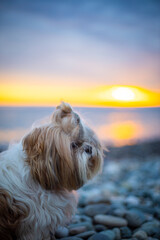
[123, 202]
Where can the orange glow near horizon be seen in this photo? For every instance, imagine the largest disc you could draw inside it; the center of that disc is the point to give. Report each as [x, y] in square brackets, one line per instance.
[121, 133]
[46, 92]
[127, 96]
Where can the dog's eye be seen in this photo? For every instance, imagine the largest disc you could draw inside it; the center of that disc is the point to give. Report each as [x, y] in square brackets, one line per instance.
[74, 145]
[78, 120]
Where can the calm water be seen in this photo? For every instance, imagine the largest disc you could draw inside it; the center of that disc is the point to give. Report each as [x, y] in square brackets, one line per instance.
[118, 126]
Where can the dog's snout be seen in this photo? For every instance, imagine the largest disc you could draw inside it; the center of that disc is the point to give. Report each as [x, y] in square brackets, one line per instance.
[88, 149]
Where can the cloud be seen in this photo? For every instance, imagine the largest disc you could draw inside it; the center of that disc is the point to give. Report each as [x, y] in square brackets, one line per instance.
[89, 39]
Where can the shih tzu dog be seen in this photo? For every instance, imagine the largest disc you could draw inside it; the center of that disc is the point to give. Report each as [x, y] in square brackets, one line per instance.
[38, 176]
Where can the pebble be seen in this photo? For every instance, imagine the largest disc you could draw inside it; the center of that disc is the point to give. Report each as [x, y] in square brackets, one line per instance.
[140, 234]
[98, 236]
[100, 227]
[125, 232]
[98, 199]
[150, 238]
[94, 209]
[81, 218]
[87, 225]
[156, 200]
[145, 209]
[110, 221]
[157, 213]
[110, 234]
[120, 212]
[117, 233]
[62, 232]
[135, 218]
[77, 230]
[86, 235]
[132, 200]
[157, 233]
[117, 208]
[151, 228]
[84, 218]
[71, 238]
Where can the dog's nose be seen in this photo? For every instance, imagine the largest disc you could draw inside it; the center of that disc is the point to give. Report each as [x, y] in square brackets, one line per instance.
[88, 149]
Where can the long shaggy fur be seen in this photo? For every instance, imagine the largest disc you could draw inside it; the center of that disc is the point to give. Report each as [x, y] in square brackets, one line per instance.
[38, 176]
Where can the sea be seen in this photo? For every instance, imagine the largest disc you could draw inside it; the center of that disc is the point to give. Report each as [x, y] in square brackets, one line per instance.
[114, 126]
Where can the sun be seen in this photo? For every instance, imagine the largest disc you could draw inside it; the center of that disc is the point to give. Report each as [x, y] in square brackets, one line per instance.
[123, 94]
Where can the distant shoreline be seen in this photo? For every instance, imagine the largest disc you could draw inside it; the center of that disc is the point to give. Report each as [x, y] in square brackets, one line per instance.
[141, 150]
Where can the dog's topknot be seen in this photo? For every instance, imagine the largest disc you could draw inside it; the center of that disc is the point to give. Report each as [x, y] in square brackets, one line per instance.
[65, 107]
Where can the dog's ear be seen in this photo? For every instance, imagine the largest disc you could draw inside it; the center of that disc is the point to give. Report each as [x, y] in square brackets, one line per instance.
[36, 149]
[49, 156]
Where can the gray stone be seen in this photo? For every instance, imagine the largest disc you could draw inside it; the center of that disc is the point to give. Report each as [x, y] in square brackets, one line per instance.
[61, 232]
[132, 200]
[98, 199]
[150, 238]
[156, 200]
[135, 218]
[117, 233]
[94, 209]
[86, 235]
[98, 236]
[75, 219]
[80, 210]
[84, 218]
[71, 238]
[110, 221]
[156, 233]
[140, 234]
[77, 230]
[82, 201]
[142, 208]
[157, 213]
[81, 218]
[129, 239]
[100, 227]
[119, 212]
[110, 234]
[125, 232]
[88, 225]
[151, 228]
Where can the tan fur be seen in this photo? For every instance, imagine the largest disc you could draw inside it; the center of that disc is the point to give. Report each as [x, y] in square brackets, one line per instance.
[12, 213]
[49, 154]
[50, 166]
[41, 172]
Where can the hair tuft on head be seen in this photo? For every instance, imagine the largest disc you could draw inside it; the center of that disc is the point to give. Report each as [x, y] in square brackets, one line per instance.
[65, 107]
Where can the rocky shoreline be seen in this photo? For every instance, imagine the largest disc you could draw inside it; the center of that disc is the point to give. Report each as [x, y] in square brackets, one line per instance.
[121, 203]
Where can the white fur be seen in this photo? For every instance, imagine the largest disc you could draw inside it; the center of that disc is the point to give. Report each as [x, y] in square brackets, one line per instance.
[46, 208]
[31, 167]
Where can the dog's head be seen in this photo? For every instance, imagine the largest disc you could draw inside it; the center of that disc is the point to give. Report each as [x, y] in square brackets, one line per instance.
[63, 154]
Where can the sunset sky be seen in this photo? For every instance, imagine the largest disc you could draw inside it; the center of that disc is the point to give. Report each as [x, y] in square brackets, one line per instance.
[89, 53]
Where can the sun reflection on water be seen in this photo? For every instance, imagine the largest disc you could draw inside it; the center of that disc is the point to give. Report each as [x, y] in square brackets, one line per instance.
[121, 133]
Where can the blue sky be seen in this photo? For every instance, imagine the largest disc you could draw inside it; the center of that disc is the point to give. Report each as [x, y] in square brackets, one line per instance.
[101, 42]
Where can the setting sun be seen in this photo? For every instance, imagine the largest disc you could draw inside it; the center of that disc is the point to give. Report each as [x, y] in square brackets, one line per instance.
[28, 90]
[127, 96]
[123, 94]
